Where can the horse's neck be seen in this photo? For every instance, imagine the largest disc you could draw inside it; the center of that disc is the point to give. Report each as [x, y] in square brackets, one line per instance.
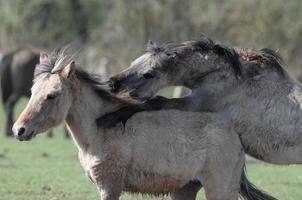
[193, 72]
[86, 107]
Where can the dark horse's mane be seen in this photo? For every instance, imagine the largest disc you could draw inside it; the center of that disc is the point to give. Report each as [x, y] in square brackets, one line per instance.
[59, 59]
[275, 59]
[232, 55]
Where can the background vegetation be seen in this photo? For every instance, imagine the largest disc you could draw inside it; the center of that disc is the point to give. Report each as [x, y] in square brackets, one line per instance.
[116, 31]
[119, 30]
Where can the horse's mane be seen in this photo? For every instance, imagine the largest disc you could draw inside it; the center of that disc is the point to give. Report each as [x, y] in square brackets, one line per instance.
[59, 59]
[275, 59]
[231, 54]
[178, 51]
[264, 56]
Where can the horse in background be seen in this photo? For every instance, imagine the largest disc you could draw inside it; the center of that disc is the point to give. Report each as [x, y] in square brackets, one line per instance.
[16, 74]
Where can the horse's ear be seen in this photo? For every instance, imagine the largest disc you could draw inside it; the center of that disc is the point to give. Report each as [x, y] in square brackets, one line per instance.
[68, 69]
[43, 57]
[151, 44]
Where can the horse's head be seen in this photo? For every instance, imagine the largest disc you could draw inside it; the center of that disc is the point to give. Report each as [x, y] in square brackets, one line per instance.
[183, 64]
[50, 99]
[146, 73]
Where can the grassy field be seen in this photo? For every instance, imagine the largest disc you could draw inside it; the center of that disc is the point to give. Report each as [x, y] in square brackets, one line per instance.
[48, 169]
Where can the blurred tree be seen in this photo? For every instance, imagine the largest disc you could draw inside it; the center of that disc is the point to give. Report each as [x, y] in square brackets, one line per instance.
[119, 29]
[80, 19]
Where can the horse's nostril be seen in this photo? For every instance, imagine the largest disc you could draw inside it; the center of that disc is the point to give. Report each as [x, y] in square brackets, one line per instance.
[21, 131]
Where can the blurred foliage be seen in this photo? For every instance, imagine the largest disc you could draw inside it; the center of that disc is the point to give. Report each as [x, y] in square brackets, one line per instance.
[119, 29]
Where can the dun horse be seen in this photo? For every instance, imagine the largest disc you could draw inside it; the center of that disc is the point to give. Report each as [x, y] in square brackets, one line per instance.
[250, 88]
[155, 153]
[16, 74]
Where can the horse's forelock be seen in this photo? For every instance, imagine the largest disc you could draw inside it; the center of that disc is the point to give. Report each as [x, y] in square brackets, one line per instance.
[56, 61]
[152, 47]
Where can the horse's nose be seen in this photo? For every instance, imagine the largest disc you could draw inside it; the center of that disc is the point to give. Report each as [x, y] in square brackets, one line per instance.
[23, 132]
[20, 131]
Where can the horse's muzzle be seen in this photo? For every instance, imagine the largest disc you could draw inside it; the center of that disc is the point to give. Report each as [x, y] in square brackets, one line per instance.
[23, 133]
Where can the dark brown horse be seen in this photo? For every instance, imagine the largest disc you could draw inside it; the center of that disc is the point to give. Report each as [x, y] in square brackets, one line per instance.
[16, 74]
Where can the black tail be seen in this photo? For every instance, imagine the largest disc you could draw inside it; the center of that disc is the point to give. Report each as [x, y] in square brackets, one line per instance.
[5, 77]
[250, 192]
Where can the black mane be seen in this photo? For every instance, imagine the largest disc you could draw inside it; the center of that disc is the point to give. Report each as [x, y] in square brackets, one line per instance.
[275, 59]
[203, 44]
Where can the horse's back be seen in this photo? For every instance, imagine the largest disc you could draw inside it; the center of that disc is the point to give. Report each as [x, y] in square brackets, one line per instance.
[177, 142]
[177, 122]
[16, 71]
[23, 66]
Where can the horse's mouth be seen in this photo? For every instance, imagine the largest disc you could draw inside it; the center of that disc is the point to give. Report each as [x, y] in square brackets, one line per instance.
[27, 137]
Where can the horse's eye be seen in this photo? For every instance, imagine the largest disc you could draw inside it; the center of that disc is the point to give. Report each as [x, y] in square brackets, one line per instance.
[148, 75]
[51, 96]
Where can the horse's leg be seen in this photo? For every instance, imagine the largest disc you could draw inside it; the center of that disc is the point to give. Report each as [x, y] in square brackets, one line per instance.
[110, 193]
[66, 133]
[221, 172]
[50, 134]
[108, 176]
[187, 192]
[9, 109]
[221, 181]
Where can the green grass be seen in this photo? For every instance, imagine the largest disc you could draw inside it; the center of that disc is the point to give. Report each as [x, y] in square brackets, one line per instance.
[48, 169]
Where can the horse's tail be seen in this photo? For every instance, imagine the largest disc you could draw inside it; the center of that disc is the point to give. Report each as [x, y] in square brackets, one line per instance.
[5, 76]
[250, 192]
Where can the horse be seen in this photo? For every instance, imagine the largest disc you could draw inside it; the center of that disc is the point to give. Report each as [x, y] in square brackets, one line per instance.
[17, 69]
[249, 88]
[16, 74]
[155, 153]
